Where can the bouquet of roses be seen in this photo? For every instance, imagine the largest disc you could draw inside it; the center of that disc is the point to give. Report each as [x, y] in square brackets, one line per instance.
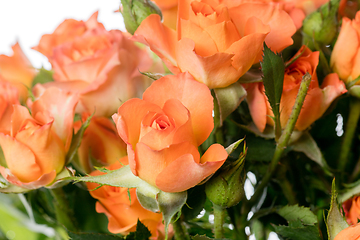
[207, 119]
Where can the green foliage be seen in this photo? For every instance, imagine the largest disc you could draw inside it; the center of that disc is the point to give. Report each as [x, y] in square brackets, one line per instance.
[43, 76]
[302, 223]
[142, 233]
[273, 68]
[295, 212]
[76, 140]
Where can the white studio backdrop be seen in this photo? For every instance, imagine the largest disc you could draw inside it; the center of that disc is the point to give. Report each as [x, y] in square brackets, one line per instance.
[25, 21]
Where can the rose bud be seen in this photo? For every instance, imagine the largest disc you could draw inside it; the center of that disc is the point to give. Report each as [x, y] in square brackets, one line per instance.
[134, 12]
[226, 188]
[322, 24]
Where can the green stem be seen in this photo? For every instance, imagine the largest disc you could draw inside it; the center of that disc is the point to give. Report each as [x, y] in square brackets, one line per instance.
[351, 125]
[283, 141]
[180, 231]
[219, 219]
[64, 214]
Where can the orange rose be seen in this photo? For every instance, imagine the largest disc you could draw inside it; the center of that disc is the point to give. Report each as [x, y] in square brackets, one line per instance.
[9, 95]
[17, 70]
[164, 130]
[169, 9]
[103, 67]
[217, 42]
[122, 213]
[349, 233]
[316, 101]
[67, 31]
[100, 145]
[345, 59]
[36, 146]
[352, 210]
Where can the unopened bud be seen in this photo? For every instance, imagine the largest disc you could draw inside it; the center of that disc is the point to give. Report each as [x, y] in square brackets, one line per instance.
[322, 24]
[226, 188]
[135, 11]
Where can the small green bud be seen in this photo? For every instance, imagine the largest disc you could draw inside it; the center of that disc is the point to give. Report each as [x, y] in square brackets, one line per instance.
[322, 25]
[226, 188]
[135, 11]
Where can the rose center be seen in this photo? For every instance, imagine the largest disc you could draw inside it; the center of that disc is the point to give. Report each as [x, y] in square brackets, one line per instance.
[160, 124]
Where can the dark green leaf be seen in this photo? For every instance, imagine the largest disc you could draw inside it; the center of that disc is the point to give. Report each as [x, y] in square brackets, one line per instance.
[296, 232]
[273, 69]
[194, 203]
[295, 212]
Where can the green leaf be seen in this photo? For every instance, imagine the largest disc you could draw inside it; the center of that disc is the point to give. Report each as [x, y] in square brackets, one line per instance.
[295, 212]
[194, 203]
[43, 76]
[231, 148]
[296, 232]
[228, 99]
[142, 233]
[273, 68]
[335, 222]
[307, 145]
[92, 236]
[76, 140]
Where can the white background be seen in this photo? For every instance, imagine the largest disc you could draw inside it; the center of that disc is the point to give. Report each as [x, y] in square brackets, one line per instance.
[26, 21]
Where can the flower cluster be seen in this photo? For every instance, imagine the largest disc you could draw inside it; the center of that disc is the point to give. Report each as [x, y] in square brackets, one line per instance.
[174, 115]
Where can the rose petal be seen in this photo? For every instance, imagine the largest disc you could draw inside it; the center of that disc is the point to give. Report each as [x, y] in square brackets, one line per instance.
[182, 87]
[184, 172]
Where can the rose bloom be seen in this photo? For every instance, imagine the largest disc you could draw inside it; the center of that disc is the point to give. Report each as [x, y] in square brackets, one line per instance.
[316, 101]
[100, 145]
[17, 70]
[169, 9]
[345, 57]
[299, 9]
[122, 213]
[9, 95]
[164, 129]
[349, 233]
[217, 41]
[103, 67]
[36, 146]
[352, 210]
[67, 31]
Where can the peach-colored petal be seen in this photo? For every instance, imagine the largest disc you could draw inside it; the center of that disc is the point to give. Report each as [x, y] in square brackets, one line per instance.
[183, 87]
[42, 181]
[342, 57]
[150, 163]
[257, 103]
[60, 105]
[18, 70]
[129, 117]
[159, 131]
[159, 38]
[349, 233]
[45, 145]
[282, 26]
[20, 159]
[184, 172]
